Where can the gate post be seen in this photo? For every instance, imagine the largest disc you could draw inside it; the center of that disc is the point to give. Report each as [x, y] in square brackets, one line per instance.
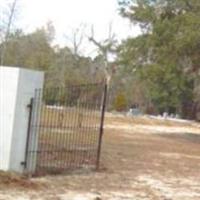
[101, 125]
[17, 87]
[33, 132]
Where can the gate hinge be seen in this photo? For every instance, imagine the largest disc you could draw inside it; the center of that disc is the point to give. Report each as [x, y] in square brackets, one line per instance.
[23, 163]
[30, 105]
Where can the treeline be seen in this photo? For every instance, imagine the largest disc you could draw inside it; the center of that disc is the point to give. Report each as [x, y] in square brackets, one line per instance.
[158, 71]
[165, 59]
[62, 66]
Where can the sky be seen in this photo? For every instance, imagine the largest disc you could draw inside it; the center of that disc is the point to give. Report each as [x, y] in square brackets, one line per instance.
[67, 15]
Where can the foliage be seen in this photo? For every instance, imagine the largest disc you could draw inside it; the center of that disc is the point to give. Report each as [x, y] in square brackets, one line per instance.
[159, 68]
[165, 55]
[32, 50]
[120, 102]
[62, 65]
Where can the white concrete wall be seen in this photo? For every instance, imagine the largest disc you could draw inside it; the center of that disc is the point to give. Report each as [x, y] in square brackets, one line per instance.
[8, 94]
[21, 89]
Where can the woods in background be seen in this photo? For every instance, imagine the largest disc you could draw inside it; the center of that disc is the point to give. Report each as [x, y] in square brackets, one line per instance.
[165, 57]
[158, 70]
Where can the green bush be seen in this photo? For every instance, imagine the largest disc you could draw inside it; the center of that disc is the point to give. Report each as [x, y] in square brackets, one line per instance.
[120, 102]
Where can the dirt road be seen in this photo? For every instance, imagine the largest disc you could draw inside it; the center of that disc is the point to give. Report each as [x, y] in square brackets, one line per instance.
[142, 159]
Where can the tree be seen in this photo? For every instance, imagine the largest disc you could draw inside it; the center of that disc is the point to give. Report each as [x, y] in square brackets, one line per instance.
[6, 28]
[166, 54]
[76, 38]
[106, 48]
[32, 50]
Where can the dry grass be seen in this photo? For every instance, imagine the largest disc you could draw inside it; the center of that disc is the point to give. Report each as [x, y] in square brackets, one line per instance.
[10, 180]
[68, 138]
[69, 117]
[145, 120]
[135, 165]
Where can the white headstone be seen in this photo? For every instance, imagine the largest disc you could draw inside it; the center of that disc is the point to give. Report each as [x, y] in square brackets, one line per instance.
[17, 87]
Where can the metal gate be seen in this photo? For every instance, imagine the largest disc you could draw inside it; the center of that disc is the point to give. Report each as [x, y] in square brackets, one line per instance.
[65, 129]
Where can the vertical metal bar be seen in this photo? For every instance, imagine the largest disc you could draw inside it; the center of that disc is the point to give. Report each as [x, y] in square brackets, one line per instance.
[32, 137]
[69, 162]
[84, 130]
[47, 123]
[30, 106]
[58, 132]
[37, 132]
[67, 128]
[91, 128]
[51, 125]
[62, 129]
[64, 153]
[75, 128]
[97, 116]
[101, 126]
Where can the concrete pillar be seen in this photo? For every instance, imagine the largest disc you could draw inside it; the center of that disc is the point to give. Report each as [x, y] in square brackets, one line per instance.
[17, 87]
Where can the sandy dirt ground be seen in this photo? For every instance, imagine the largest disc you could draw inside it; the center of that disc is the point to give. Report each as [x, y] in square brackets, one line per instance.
[142, 159]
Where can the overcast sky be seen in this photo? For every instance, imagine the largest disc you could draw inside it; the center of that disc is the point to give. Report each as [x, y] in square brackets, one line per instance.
[69, 14]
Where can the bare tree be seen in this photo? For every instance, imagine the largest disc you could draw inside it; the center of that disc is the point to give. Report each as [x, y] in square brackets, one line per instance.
[106, 48]
[76, 39]
[8, 25]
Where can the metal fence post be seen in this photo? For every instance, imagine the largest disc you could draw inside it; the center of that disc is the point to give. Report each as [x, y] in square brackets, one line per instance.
[101, 126]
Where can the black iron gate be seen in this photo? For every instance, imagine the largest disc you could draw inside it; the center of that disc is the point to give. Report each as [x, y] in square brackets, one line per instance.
[66, 128]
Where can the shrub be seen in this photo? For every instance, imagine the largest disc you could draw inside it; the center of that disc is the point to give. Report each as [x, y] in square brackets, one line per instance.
[120, 102]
